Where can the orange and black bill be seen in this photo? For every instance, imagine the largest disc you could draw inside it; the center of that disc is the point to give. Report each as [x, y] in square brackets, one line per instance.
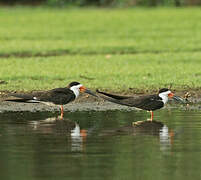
[89, 92]
[179, 99]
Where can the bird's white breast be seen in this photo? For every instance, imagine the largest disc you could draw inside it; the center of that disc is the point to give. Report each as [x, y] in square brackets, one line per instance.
[164, 96]
[76, 90]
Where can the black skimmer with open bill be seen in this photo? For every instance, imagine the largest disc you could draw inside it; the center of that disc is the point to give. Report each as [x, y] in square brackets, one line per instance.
[57, 96]
[146, 102]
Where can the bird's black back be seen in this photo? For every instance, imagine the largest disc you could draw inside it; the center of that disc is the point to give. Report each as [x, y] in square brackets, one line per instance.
[149, 102]
[57, 96]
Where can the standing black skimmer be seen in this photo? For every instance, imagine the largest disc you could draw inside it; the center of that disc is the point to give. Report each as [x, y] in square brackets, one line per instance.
[57, 96]
[147, 102]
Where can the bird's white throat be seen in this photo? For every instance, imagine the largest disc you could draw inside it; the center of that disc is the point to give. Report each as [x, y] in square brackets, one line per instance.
[76, 90]
[164, 96]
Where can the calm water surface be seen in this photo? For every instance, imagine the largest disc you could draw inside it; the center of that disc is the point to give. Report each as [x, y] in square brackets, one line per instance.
[101, 145]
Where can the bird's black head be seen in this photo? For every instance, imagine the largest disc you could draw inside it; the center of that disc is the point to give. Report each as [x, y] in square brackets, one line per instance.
[163, 90]
[74, 83]
[77, 88]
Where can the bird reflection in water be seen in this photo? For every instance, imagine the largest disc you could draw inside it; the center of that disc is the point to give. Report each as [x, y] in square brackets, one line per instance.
[166, 135]
[75, 136]
[151, 128]
[78, 138]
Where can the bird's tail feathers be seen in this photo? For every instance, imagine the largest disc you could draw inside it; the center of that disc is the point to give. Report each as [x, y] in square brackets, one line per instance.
[24, 98]
[116, 101]
[112, 95]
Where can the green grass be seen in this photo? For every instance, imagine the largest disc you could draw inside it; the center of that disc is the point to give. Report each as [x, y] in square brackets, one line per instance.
[149, 48]
[142, 71]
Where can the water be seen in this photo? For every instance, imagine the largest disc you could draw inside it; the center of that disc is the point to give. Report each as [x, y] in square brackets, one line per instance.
[101, 145]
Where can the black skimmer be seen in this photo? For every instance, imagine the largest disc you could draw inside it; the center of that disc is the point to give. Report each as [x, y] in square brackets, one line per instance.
[147, 102]
[57, 96]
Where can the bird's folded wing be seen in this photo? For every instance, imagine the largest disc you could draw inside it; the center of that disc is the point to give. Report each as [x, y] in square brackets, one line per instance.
[138, 102]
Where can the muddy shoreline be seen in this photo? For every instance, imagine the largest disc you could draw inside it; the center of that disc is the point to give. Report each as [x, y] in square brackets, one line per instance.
[83, 103]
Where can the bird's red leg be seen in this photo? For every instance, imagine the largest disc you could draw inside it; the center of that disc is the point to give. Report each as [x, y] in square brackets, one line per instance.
[152, 115]
[62, 111]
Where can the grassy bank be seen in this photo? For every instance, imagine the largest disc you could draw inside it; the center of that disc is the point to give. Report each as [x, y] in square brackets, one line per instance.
[118, 72]
[118, 49]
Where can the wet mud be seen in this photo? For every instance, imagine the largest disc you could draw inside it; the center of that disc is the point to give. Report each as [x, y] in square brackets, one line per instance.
[86, 103]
